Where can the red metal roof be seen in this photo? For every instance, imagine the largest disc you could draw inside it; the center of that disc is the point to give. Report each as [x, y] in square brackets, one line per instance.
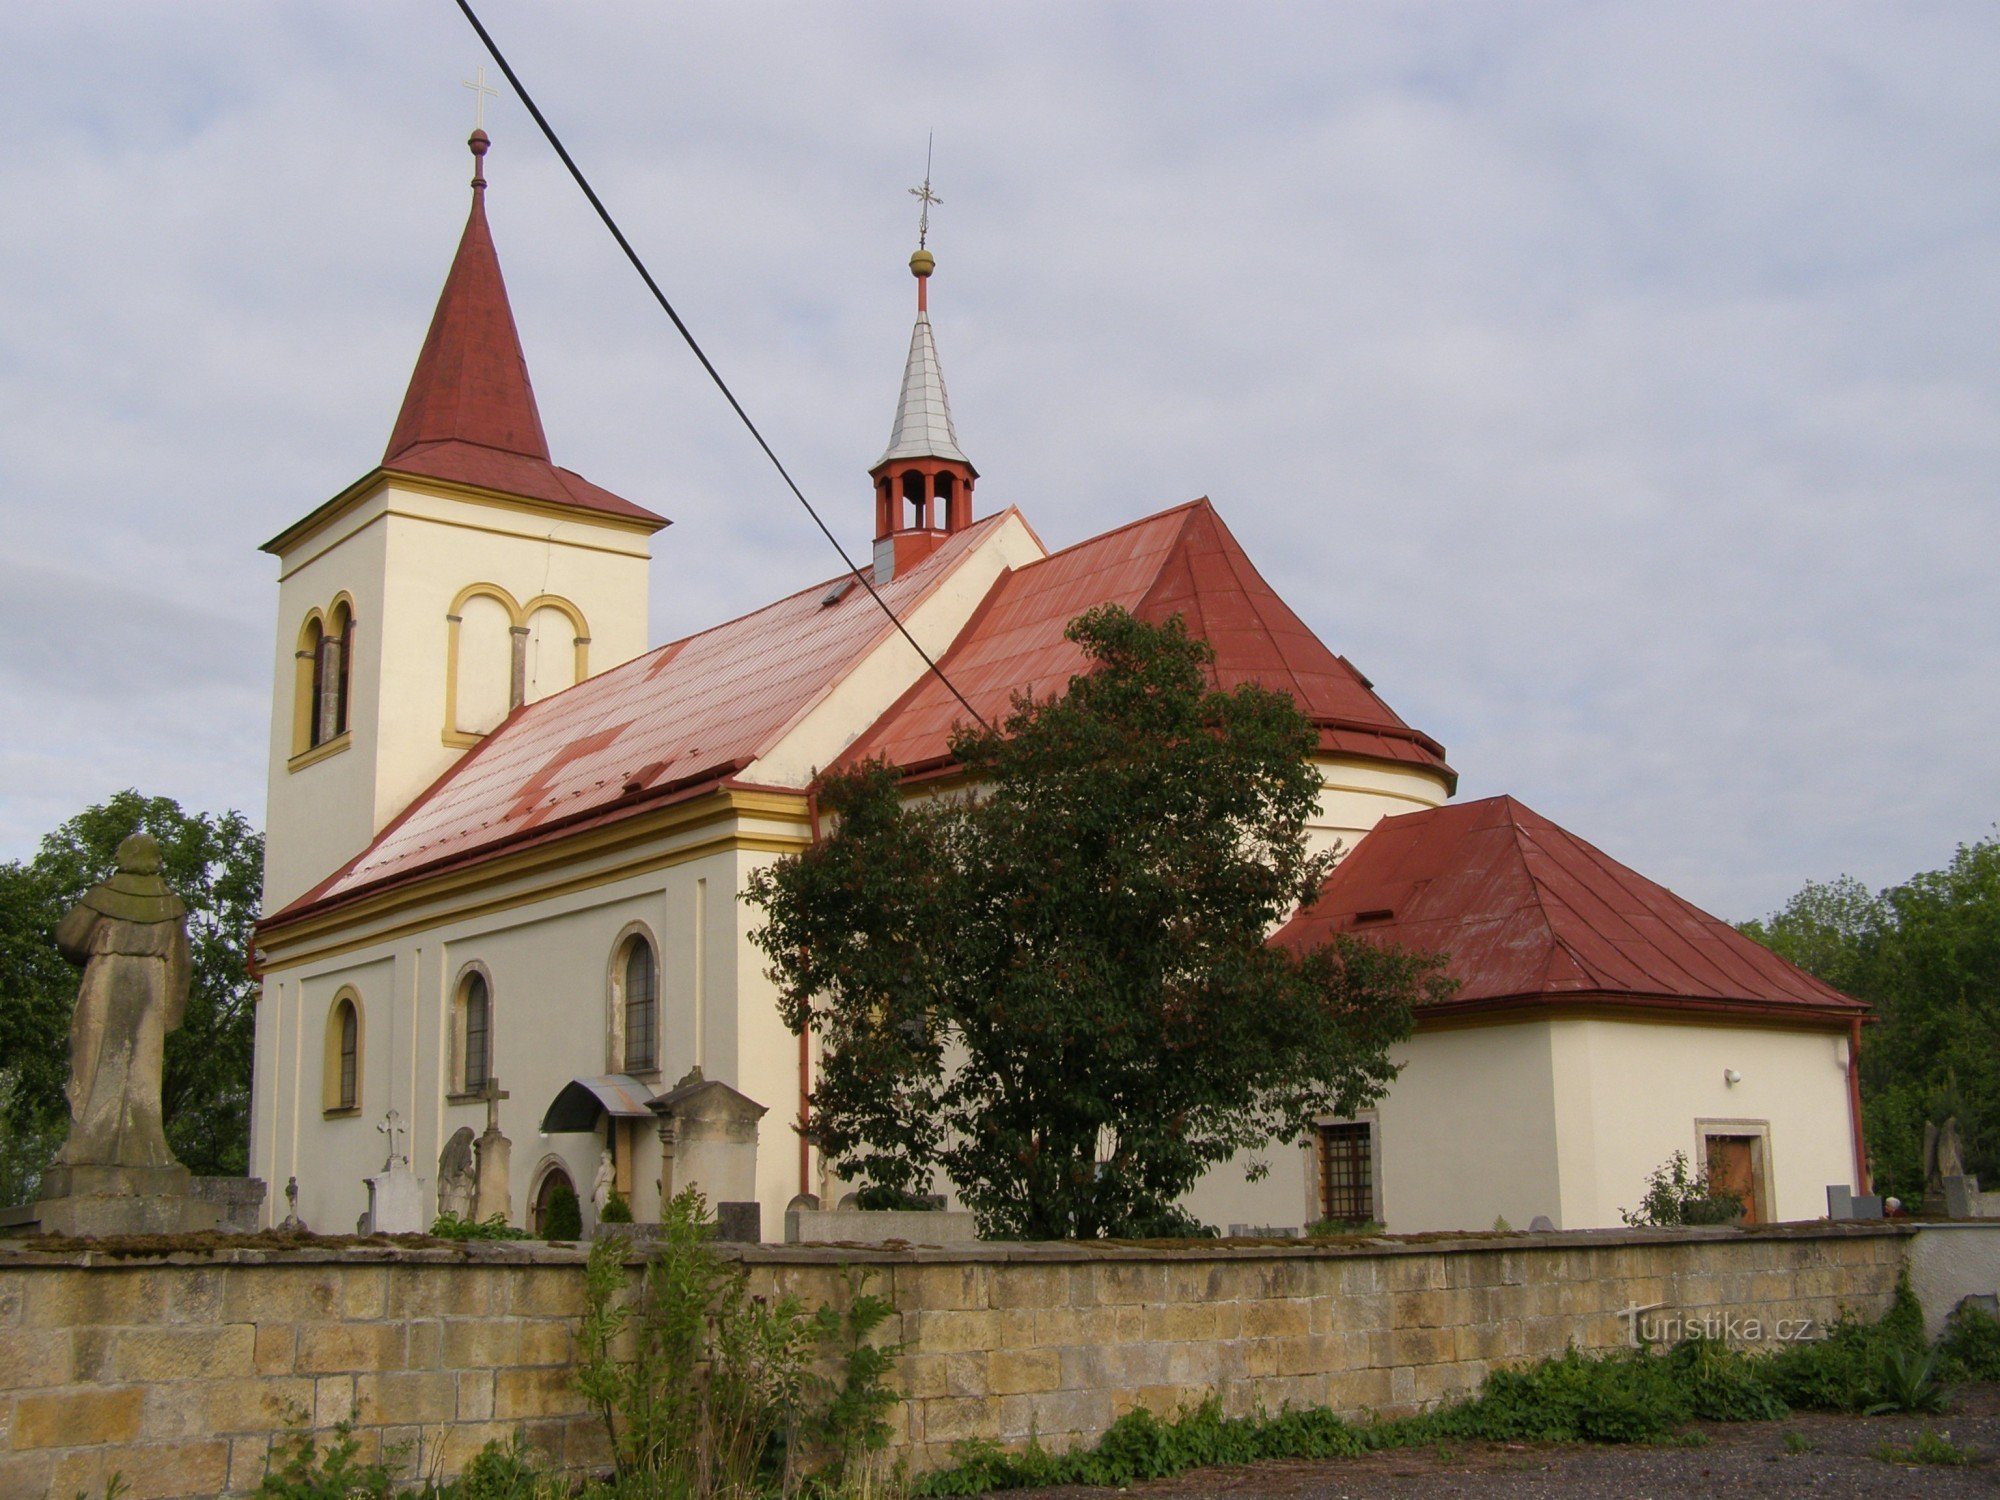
[693, 712]
[1531, 914]
[469, 414]
[1181, 561]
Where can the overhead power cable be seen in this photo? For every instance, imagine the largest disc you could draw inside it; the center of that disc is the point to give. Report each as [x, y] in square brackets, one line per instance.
[639, 265]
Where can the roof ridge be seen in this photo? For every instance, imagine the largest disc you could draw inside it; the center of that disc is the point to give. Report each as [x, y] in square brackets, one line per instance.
[1091, 541]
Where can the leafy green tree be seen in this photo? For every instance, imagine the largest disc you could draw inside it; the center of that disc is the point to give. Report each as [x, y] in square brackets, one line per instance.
[1055, 987]
[215, 864]
[1926, 956]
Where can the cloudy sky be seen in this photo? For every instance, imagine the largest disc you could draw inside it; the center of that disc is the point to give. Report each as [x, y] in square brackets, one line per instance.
[1618, 385]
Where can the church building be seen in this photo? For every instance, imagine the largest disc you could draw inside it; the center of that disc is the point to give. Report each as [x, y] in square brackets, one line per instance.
[507, 841]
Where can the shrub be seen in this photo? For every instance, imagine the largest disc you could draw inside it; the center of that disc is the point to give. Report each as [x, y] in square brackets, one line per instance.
[562, 1219]
[1678, 1194]
[617, 1210]
[705, 1390]
[450, 1226]
[1971, 1346]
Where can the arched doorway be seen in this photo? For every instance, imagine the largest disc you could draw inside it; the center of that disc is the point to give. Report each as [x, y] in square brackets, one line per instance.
[550, 1207]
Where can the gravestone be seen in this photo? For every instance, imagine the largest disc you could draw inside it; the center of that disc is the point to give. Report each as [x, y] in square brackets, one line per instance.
[395, 1197]
[495, 1193]
[1839, 1201]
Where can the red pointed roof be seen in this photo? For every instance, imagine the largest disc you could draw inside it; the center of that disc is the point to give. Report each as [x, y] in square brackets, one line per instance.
[1182, 561]
[1532, 915]
[469, 415]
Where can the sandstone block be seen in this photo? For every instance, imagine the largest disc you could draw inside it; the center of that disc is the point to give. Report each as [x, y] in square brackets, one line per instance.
[400, 1397]
[193, 1467]
[953, 1419]
[475, 1395]
[1030, 1286]
[268, 1405]
[282, 1294]
[247, 1459]
[33, 1358]
[333, 1400]
[1018, 1372]
[956, 1332]
[1413, 1273]
[329, 1348]
[534, 1394]
[1125, 1284]
[547, 1292]
[275, 1348]
[27, 1474]
[77, 1418]
[65, 1298]
[158, 1354]
[440, 1292]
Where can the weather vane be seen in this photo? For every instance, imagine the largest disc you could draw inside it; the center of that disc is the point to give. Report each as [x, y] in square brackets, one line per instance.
[477, 83]
[925, 196]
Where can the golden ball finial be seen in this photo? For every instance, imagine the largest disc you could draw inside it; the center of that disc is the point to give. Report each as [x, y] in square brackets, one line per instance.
[922, 263]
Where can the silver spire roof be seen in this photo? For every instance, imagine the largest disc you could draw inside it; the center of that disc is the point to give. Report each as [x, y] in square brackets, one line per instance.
[923, 416]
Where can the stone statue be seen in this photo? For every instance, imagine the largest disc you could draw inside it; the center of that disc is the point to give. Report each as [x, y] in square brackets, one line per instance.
[292, 1223]
[1950, 1154]
[115, 1174]
[600, 1185]
[458, 1179]
[130, 936]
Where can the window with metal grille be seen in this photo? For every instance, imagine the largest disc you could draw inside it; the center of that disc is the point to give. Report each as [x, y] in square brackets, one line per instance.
[641, 1027]
[478, 1033]
[1346, 1173]
[350, 1061]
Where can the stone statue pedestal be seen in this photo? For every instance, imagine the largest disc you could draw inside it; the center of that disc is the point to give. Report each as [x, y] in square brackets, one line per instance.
[102, 1200]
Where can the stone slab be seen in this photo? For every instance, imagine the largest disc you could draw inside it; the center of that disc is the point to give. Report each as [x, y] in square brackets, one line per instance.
[858, 1226]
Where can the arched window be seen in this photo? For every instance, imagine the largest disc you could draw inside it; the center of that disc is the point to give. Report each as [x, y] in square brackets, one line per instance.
[341, 1093]
[914, 497]
[642, 1008]
[476, 1032]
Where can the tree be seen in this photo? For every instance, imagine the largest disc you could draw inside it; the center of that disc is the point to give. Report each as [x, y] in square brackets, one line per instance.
[215, 864]
[1926, 956]
[1054, 987]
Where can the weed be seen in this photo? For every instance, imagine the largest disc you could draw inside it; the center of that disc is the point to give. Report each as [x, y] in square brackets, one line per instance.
[1908, 1382]
[305, 1471]
[1971, 1347]
[1928, 1447]
[1797, 1443]
[449, 1226]
[706, 1390]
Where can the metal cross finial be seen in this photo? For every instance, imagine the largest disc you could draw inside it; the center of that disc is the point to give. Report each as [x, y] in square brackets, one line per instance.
[392, 1126]
[477, 83]
[925, 196]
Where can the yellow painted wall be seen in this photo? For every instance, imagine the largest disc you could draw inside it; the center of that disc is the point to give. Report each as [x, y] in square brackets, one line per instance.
[1634, 1090]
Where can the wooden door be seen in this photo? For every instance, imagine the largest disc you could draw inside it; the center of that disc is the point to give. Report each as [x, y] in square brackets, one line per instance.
[1732, 1168]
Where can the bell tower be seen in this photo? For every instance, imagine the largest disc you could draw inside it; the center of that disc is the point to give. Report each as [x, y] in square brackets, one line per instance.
[923, 483]
[460, 580]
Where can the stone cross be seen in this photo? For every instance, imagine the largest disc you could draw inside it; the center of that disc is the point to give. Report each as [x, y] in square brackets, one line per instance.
[480, 92]
[493, 1094]
[392, 1126]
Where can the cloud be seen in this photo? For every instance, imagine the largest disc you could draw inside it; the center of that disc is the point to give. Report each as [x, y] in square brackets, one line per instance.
[1614, 383]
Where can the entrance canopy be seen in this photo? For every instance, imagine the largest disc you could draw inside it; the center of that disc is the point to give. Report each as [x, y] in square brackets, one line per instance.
[583, 1101]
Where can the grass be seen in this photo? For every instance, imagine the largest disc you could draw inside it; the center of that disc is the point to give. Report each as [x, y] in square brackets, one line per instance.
[1928, 1447]
[1624, 1396]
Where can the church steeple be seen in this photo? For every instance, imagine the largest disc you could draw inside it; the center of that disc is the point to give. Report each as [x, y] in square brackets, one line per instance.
[923, 483]
[471, 381]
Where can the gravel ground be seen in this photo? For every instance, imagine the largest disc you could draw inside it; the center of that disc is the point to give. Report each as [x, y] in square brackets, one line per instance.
[1736, 1458]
